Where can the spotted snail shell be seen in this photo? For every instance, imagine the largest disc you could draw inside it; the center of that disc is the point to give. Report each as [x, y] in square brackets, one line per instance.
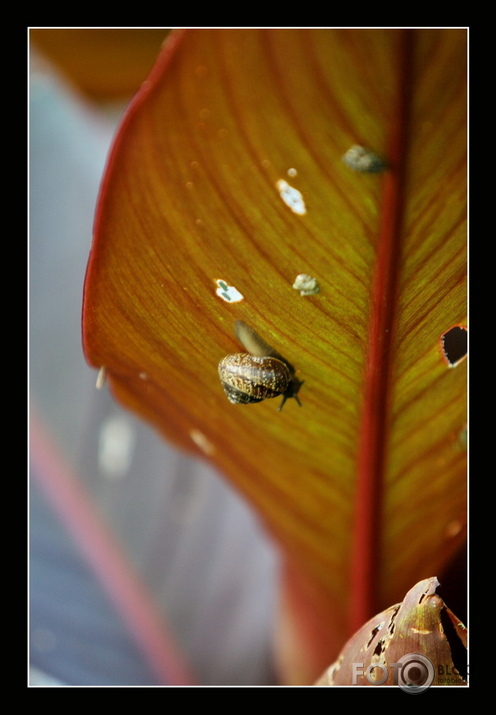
[258, 375]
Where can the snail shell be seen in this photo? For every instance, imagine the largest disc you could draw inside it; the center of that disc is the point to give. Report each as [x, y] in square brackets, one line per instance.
[258, 375]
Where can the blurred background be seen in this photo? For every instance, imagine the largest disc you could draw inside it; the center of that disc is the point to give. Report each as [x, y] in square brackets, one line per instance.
[145, 568]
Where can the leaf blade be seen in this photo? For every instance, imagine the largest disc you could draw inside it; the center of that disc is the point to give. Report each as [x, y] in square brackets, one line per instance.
[191, 196]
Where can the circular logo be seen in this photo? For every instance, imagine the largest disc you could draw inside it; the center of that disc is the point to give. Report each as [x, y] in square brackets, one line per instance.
[416, 673]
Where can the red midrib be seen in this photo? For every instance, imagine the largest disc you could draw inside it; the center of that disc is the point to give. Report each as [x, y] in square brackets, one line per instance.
[377, 384]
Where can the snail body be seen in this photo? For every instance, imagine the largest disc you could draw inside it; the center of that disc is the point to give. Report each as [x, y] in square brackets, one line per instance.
[258, 375]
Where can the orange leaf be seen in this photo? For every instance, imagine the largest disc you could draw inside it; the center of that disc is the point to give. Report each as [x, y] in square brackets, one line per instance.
[104, 63]
[227, 175]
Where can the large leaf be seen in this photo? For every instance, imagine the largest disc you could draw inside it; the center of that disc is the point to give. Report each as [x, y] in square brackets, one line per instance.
[364, 485]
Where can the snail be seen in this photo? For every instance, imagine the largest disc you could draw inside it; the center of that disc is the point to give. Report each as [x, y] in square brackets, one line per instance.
[259, 374]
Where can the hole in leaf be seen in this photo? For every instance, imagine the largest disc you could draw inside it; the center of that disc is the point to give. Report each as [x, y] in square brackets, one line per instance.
[374, 633]
[380, 647]
[454, 345]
